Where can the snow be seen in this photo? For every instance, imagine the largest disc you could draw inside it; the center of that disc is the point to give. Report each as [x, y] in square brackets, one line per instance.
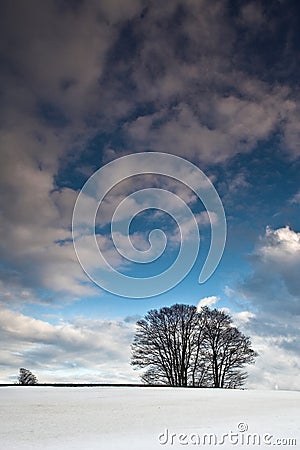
[134, 417]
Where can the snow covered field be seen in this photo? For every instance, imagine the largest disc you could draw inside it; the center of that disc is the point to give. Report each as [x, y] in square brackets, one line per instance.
[146, 418]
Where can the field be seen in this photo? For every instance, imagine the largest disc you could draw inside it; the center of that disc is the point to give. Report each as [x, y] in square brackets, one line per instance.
[146, 418]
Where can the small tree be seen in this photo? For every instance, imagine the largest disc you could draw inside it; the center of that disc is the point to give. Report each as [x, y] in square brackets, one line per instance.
[26, 377]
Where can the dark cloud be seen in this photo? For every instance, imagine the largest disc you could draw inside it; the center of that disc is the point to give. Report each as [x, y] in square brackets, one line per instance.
[166, 77]
[83, 82]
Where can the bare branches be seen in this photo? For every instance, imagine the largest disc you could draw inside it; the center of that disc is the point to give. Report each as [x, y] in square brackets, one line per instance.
[182, 346]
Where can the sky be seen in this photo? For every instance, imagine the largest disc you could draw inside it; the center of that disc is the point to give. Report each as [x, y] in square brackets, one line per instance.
[84, 83]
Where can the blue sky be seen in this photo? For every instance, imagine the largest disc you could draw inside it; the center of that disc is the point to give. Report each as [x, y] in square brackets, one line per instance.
[85, 83]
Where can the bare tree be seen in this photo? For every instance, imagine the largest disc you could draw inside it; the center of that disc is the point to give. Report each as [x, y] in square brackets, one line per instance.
[166, 343]
[227, 349]
[26, 377]
[181, 346]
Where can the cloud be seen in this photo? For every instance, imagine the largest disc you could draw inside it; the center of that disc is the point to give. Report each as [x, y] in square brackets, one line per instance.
[208, 301]
[296, 198]
[86, 82]
[272, 319]
[274, 283]
[273, 286]
[291, 135]
[277, 366]
[90, 346]
[243, 316]
[236, 125]
[53, 57]
[61, 51]
[206, 106]
[164, 77]
[252, 15]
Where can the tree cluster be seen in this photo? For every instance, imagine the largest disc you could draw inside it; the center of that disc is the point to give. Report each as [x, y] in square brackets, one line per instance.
[183, 346]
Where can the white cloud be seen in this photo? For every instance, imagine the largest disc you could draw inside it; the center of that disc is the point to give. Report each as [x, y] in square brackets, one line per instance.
[274, 285]
[278, 259]
[208, 301]
[97, 347]
[243, 316]
[272, 319]
[229, 292]
[276, 366]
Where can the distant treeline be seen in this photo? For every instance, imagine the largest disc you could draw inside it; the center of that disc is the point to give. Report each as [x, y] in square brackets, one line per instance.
[92, 385]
